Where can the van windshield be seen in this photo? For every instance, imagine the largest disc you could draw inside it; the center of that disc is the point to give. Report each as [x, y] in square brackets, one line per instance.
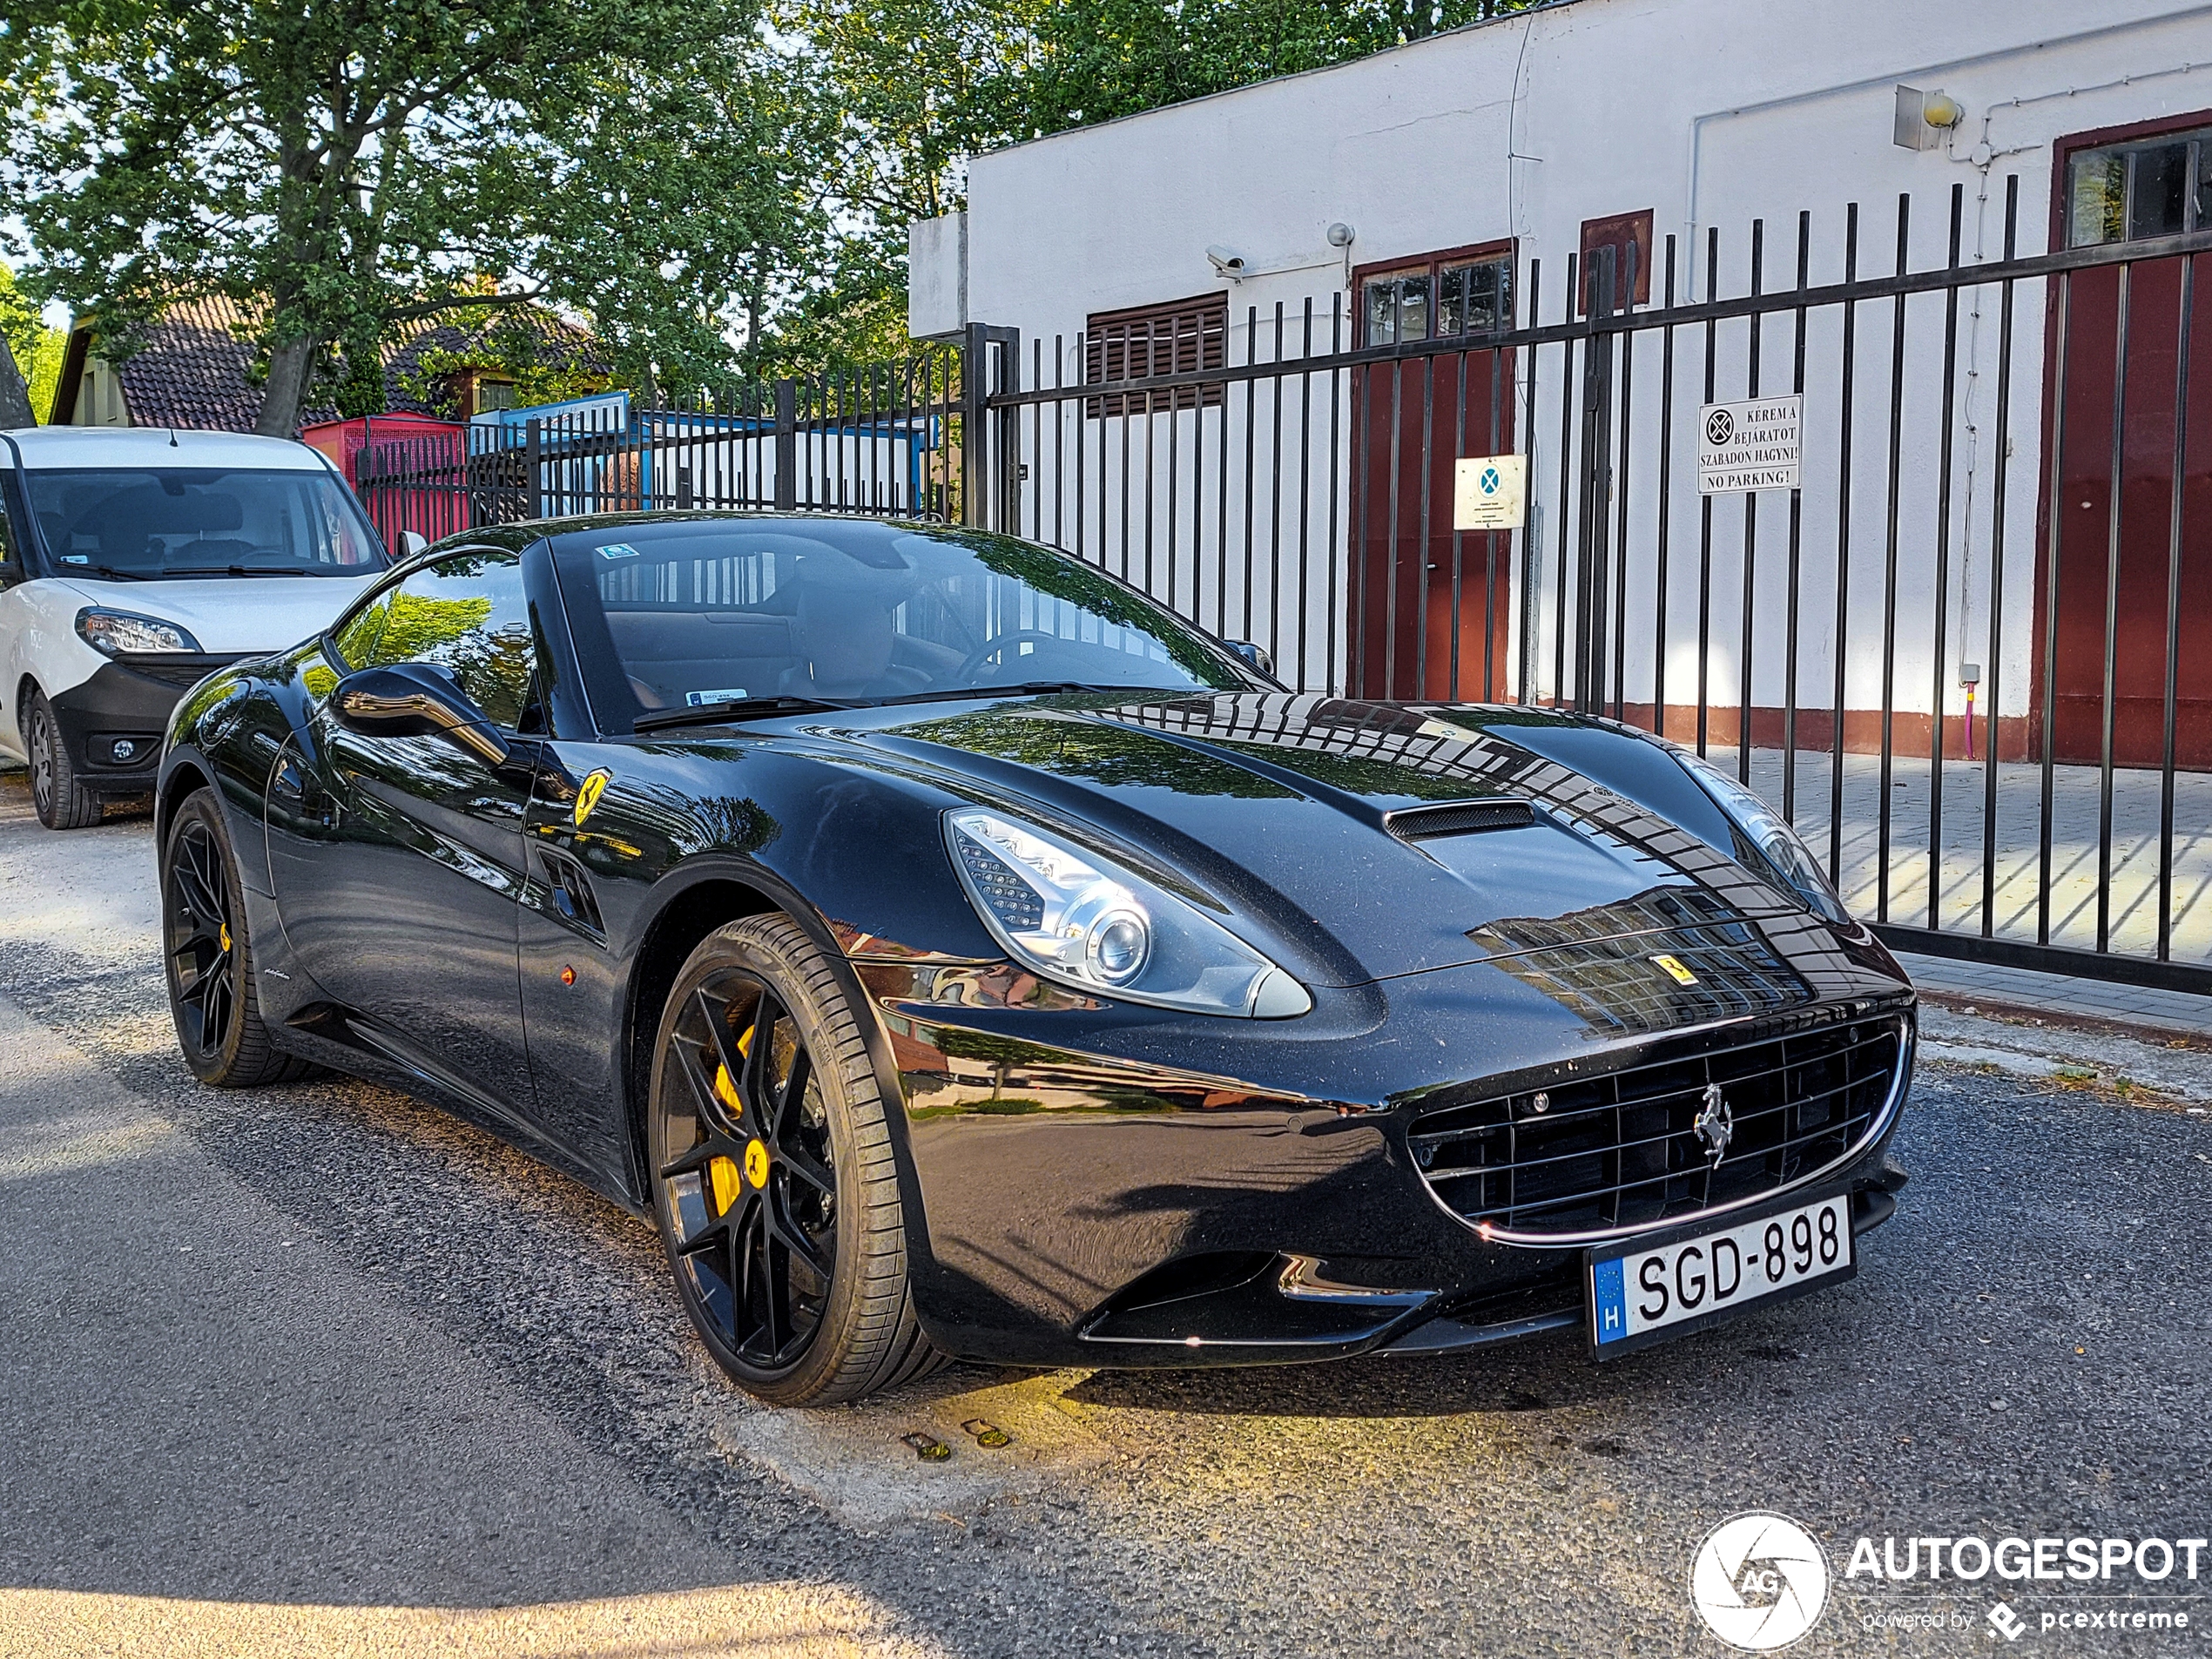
[174, 522]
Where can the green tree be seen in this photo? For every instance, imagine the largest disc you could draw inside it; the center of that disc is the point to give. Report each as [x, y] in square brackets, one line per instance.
[342, 166]
[34, 355]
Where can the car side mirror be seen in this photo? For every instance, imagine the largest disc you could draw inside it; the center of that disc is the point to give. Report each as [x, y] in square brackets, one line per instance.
[410, 700]
[412, 543]
[1258, 656]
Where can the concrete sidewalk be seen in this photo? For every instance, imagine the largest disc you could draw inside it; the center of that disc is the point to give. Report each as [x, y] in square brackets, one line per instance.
[2063, 999]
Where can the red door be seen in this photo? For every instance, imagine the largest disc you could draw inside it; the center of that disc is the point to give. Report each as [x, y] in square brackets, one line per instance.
[1429, 606]
[2120, 187]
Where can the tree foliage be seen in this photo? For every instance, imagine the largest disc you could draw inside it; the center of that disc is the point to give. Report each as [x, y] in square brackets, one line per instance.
[708, 188]
[35, 348]
[342, 166]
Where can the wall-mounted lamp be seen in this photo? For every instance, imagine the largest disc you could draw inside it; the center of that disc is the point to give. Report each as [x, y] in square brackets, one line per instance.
[1341, 237]
[1923, 119]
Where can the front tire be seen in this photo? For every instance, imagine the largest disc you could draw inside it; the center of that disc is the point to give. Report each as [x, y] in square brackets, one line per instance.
[63, 802]
[210, 959]
[773, 1180]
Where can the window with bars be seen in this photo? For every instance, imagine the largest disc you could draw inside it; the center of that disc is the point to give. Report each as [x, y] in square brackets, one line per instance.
[2123, 192]
[1441, 298]
[1177, 337]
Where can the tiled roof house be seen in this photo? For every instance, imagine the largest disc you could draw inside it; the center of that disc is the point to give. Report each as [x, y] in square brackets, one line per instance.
[191, 372]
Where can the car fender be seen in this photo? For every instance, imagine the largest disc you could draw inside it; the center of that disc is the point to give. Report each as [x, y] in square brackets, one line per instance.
[43, 646]
[706, 867]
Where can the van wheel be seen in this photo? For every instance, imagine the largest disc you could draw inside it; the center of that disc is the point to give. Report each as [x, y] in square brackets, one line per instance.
[63, 802]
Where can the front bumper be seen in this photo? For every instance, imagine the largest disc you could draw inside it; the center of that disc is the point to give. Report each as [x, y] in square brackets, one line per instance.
[127, 703]
[1102, 1186]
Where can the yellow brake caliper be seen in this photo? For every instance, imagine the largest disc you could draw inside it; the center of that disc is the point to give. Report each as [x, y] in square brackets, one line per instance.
[722, 1172]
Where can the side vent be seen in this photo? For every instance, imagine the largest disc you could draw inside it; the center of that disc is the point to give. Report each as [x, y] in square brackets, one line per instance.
[1459, 818]
[570, 890]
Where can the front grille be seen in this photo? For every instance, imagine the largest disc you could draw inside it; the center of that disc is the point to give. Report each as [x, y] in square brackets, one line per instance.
[177, 668]
[1621, 1151]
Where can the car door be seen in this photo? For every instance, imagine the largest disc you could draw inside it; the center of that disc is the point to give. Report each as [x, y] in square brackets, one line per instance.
[398, 860]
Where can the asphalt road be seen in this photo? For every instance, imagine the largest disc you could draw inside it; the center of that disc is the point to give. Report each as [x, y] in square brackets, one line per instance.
[320, 1369]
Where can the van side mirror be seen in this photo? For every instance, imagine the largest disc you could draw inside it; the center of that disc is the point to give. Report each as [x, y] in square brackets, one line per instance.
[412, 543]
[413, 700]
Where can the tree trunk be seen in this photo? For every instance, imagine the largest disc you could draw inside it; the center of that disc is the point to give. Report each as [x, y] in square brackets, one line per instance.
[15, 396]
[287, 390]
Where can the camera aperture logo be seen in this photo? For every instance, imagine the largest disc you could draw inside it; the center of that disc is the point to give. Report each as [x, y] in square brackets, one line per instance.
[1759, 1582]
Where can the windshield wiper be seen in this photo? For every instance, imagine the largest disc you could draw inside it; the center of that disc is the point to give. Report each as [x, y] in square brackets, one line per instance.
[1021, 688]
[105, 570]
[743, 708]
[239, 569]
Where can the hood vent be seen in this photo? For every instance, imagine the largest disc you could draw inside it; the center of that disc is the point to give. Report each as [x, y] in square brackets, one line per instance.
[1459, 818]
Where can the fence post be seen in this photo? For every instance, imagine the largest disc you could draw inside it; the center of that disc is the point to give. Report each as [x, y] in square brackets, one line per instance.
[1596, 483]
[787, 445]
[533, 451]
[1008, 445]
[974, 458]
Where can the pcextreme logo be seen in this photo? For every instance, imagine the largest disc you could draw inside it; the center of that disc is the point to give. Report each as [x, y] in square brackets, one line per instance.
[1759, 1582]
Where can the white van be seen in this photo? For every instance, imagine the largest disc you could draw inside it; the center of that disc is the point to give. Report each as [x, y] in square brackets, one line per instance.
[133, 564]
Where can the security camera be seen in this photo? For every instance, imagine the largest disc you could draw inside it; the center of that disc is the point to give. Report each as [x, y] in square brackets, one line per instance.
[1230, 265]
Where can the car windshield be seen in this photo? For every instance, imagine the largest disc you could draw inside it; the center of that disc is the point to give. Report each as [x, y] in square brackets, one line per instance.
[160, 521]
[704, 614]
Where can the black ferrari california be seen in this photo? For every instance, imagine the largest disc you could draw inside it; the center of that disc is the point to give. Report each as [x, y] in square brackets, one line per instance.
[956, 954]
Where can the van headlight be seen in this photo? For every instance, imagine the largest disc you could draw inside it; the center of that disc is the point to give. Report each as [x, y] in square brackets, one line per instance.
[120, 633]
[1073, 915]
[1773, 841]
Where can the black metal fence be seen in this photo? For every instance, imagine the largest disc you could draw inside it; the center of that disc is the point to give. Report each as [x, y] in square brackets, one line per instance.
[1910, 532]
[886, 440]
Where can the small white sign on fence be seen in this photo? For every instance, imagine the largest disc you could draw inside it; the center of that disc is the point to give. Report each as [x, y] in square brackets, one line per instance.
[1746, 446]
[1489, 492]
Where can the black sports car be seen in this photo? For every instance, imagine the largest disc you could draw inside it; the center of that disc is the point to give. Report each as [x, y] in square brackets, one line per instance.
[956, 954]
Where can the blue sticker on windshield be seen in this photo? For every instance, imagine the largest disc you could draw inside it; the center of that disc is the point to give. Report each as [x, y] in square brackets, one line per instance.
[617, 551]
[700, 699]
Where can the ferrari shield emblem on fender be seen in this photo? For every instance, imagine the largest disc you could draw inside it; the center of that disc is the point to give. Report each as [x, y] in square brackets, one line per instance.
[588, 793]
[1715, 1124]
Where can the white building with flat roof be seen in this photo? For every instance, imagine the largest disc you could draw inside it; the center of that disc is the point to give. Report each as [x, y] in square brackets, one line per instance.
[1449, 184]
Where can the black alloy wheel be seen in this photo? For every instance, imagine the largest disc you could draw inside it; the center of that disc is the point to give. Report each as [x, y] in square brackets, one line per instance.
[62, 802]
[773, 1180]
[202, 949]
[212, 994]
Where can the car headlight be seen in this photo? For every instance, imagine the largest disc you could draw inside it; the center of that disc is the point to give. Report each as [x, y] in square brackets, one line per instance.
[117, 633]
[1073, 915]
[1773, 840]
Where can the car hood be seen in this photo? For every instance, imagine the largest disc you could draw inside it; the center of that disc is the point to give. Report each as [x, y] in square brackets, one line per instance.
[1283, 799]
[232, 615]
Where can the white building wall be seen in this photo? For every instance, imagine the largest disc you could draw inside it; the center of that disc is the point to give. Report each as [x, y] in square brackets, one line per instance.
[1711, 112]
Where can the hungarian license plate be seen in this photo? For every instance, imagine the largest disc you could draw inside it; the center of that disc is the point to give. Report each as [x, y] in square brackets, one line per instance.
[1644, 1292]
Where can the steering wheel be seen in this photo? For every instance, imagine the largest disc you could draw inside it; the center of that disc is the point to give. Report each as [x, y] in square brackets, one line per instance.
[993, 647]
